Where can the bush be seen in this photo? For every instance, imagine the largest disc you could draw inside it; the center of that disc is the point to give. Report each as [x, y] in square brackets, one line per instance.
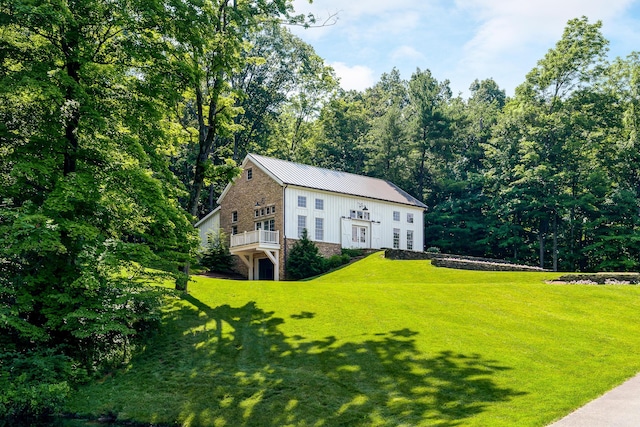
[216, 256]
[352, 253]
[304, 260]
[336, 261]
[433, 250]
[32, 386]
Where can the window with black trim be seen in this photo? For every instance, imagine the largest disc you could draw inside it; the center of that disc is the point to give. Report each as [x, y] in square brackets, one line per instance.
[234, 229]
[249, 173]
[234, 216]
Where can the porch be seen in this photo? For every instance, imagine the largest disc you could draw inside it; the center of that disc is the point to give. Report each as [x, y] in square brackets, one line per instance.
[250, 247]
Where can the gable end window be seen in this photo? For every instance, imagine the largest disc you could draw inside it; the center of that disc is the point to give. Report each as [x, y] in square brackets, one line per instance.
[249, 173]
[396, 216]
[302, 201]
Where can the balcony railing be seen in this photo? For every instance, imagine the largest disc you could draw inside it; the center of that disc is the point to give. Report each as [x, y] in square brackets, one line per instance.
[258, 237]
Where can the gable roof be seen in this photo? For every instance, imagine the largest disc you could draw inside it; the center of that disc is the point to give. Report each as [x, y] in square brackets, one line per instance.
[289, 173]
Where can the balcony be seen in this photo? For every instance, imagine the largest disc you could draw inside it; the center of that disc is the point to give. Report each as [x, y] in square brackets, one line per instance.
[258, 239]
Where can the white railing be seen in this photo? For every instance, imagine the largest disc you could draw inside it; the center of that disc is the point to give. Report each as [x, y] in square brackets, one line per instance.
[253, 237]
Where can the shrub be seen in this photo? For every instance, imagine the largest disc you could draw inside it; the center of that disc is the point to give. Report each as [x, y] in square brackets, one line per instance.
[433, 250]
[216, 256]
[336, 261]
[352, 253]
[32, 386]
[304, 260]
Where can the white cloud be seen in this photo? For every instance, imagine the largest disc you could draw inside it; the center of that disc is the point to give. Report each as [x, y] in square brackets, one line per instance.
[407, 53]
[357, 77]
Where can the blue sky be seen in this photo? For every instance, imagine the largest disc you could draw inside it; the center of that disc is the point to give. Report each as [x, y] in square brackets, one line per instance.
[459, 40]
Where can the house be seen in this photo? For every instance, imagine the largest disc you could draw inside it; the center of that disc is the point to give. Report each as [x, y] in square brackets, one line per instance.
[266, 208]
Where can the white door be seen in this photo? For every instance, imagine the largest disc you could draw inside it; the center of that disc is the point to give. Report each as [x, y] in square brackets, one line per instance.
[359, 236]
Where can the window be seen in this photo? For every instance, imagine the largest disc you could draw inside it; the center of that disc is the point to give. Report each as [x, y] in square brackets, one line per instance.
[320, 229]
[302, 224]
[360, 215]
[396, 216]
[249, 173]
[396, 238]
[366, 216]
[320, 204]
[270, 225]
[234, 216]
[234, 229]
[261, 212]
[352, 214]
[302, 201]
[259, 225]
[410, 240]
[273, 209]
[257, 213]
[410, 218]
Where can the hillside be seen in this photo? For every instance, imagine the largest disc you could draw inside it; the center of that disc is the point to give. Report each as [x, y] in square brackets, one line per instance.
[382, 343]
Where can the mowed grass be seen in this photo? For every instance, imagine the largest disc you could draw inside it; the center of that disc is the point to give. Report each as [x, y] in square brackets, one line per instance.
[378, 343]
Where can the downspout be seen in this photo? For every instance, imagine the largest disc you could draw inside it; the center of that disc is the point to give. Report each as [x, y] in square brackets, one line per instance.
[284, 228]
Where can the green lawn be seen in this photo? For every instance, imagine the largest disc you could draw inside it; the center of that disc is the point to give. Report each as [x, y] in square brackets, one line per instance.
[381, 342]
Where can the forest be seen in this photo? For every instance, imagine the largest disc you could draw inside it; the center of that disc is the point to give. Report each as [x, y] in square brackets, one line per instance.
[121, 122]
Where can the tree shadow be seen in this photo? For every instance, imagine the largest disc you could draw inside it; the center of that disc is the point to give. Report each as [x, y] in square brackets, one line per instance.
[243, 370]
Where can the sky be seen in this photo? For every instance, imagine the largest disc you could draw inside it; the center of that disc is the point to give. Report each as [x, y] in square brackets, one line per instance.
[458, 40]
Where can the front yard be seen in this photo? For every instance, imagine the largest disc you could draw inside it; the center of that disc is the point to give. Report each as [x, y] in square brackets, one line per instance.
[382, 343]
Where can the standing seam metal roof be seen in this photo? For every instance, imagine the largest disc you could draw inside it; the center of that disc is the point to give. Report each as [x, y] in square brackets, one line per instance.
[335, 181]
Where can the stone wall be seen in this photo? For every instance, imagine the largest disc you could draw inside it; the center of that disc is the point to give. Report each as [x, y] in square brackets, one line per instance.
[459, 261]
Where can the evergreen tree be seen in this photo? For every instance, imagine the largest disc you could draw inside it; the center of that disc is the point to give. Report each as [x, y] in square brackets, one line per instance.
[304, 260]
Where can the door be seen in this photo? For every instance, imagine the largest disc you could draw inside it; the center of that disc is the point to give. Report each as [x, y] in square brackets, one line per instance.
[265, 269]
[359, 236]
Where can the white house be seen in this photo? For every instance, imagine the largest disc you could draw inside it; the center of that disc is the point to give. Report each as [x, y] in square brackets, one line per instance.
[265, 209]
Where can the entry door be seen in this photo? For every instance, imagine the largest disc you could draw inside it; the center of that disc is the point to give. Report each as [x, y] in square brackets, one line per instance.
[359, 236]
[265, 269]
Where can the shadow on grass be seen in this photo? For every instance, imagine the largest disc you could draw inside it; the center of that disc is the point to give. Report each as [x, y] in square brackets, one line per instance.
[232, 366]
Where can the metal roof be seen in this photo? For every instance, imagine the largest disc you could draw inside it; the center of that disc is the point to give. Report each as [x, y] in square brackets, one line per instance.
[335, 181]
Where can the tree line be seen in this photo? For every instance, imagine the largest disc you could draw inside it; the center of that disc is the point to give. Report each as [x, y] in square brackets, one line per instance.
[547, 177]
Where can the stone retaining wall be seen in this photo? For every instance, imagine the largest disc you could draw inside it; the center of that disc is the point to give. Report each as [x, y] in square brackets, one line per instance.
[459, 261]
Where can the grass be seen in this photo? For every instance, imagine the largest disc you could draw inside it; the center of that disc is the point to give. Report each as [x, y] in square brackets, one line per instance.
[378, 343]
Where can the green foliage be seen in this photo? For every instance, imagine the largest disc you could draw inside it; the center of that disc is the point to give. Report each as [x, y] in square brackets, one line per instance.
[33, 385]
[216, 257]
[303, 259]
[352, 252]
[335, 261]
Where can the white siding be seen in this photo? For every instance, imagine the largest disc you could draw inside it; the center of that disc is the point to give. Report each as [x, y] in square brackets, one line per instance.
[211, 223]
[338, 225]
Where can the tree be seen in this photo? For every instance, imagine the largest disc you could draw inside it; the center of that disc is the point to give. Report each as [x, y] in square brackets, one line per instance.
[555, 143]
[304, 260]
[87, 204]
